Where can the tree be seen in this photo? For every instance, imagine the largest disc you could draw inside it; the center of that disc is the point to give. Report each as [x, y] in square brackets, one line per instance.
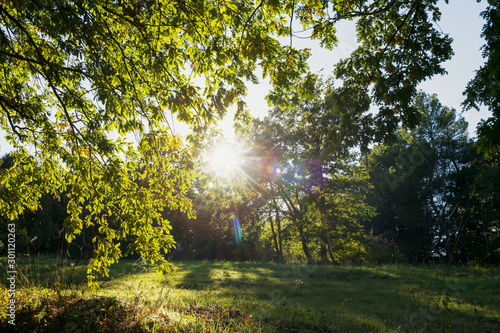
[75, 74]
[485, 87]
[78, 77]
[422, 183]
[307, 169]
[397, 177]
[399, 47]
[481, 237]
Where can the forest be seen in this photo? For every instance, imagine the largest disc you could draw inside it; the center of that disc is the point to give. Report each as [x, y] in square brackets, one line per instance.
[354, 167]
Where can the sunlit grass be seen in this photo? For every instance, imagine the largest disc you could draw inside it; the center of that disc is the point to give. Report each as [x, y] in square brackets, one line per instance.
[244, 297]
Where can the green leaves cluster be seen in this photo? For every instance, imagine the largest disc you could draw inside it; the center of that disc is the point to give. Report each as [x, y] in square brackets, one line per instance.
[485, 87]
[76, 74]
[399, 48]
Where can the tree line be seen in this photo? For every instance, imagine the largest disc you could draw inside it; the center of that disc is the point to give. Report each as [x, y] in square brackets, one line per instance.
[426, 195]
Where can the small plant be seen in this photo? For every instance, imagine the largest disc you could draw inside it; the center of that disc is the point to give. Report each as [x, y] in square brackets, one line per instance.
[141, 265]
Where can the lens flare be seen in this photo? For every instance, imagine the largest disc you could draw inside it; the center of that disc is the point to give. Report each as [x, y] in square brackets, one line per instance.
[237, 230]
[274, 170]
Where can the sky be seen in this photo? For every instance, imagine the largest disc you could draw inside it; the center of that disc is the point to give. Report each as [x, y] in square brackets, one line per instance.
[460, 19]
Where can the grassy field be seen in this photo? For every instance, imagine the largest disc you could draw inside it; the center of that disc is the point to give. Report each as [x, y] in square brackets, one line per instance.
[249, 297]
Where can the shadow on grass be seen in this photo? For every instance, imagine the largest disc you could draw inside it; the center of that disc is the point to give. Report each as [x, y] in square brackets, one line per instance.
[74, 312]
[348, 298]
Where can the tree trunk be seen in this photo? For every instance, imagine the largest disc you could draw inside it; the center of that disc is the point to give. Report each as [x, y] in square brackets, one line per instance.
[323, 254]
[280, 239]
[275, 238]
[279, 245]
[297, 217]
[331, 254]
[309, 258]
[305, 248]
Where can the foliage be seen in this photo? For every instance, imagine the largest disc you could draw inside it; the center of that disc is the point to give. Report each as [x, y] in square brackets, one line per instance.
[429, 186]
[79, 79]
[401, 218]
[398, 47]
[481, 235]
[308, 173]
[485, 87]
[77, 74]
[484, 238]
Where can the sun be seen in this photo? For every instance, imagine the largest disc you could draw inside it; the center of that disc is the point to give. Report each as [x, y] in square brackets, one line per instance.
[224, 159]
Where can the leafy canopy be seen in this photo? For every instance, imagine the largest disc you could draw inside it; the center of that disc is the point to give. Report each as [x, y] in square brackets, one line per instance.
[79, 77]
[485, 87]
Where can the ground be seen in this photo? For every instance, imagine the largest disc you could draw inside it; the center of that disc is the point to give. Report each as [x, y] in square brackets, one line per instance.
[250, 297]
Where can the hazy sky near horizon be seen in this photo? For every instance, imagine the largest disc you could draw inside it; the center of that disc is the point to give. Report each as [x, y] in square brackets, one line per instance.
[460, 19]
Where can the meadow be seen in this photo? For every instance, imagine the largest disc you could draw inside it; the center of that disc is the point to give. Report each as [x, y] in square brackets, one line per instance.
[212, 296]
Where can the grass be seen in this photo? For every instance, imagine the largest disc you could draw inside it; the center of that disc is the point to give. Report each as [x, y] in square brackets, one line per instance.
[249, 297]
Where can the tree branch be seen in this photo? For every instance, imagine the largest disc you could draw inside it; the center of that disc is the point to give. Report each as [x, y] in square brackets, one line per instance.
[33, 61]
[354, 14]
[14, 127]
